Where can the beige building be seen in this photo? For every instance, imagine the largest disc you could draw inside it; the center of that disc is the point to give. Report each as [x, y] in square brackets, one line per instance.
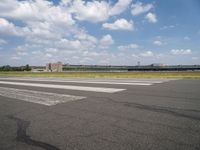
[54, 67]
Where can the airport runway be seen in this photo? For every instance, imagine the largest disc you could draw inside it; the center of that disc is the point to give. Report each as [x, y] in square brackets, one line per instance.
[99, 114]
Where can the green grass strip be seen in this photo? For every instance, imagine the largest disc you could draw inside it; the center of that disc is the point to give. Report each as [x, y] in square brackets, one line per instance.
[106, 74]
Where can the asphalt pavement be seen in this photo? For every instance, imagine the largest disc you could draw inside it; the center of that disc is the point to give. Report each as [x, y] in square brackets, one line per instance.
[99, 114]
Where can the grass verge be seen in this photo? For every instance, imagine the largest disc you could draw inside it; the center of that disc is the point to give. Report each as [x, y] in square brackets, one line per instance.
[106, 74]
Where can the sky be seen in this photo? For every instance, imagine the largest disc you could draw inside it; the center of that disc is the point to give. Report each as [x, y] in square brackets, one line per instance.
[100, 32]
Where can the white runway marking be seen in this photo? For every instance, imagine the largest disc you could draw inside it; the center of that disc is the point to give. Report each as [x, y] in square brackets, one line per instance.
[43, 98]
[68, 87]
[96, 81]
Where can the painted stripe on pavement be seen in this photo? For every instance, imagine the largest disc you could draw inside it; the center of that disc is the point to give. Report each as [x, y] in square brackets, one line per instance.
[44, 98]
[94, 82]
[68, 87]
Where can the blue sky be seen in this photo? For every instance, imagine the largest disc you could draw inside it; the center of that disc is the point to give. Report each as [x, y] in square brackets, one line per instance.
[115, 32]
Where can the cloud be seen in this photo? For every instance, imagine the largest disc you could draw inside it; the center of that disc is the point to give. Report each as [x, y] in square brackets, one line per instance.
[31, 11]
[129, 46]
[22, 53]
[158, 43]
[43, 22]
[186, 38]
[7, 5]
[135, 56]
[69, 45]
[81, 41]
[181, 51]
[58, 32]
[139, 8]
[93, 11]
[48, 55]
[87, 41]
[106, 41]
[151, 17]
[15, 58]
[97, 11]
[42, 19]
[195, 58]
[147, 54]
[50, 27]
[2, 42]
[38, 52]
[167, 27]
[51, 50]
[120, 24]
[119, 7]
[9, 28]
[82, 35]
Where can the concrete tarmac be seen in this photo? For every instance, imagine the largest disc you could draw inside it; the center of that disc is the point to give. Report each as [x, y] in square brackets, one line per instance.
[164, 115]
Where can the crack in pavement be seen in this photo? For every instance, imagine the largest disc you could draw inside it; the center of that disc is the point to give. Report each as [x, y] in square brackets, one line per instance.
[160, 109]
[22, 136]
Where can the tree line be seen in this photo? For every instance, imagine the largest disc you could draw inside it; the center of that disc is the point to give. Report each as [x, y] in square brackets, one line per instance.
[10, 68]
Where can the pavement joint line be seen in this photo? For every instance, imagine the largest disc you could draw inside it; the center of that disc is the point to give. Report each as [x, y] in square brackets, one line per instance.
[67, 87]
[44, 98]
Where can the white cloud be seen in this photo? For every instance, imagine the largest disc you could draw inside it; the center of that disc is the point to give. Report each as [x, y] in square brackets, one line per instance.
[53, 33]
[90, 54]
[151, 17]
[46, 24]
[85, 37]
[139, 8]
[135, 56]
[31, 11]
[21, 50]
[167, 27]
[8, 28]
[147, 54]
[81, 41]
[106, 41]
[51, 50]
[15, 58]
[42, 20]
[22, 53]
[158, 43]
[119, 7]
[181, 51]
[48, 55]
[129, 46]
[195, 58]
[87, 41]
[7, 5]
[186, 38]
[120, 24]
[2, 42]
[97, 11]
[69, 45]
[91, 11]
[38, 52]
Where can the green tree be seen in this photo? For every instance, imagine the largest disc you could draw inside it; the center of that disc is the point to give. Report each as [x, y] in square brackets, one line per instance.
[27, 68]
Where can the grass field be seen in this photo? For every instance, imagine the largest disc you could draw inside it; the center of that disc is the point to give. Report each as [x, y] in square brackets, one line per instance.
[106, 74]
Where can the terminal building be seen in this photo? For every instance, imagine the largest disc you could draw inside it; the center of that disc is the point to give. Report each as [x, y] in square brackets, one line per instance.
[54, 67]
